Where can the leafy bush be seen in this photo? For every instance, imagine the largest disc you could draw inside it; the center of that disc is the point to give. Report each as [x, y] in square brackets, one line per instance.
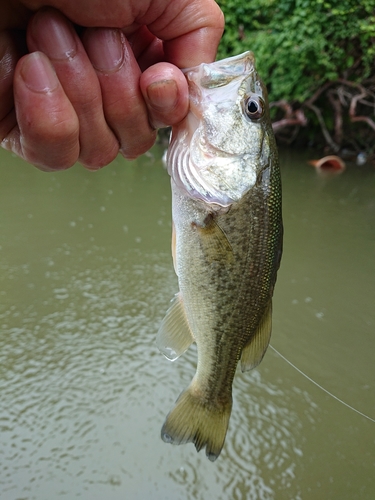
[301, 44]
[317, 58]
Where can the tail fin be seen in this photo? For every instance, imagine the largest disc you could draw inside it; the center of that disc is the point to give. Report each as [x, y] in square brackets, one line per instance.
[196, 420]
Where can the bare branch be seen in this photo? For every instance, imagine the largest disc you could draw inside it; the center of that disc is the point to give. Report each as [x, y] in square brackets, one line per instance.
[366, 119]
[335, 147]
[336, 104]
[291, 118]
[347, 98]
[353, 105]
[320, 91]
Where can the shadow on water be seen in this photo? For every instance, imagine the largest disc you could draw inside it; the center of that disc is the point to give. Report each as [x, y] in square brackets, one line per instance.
[86, 276]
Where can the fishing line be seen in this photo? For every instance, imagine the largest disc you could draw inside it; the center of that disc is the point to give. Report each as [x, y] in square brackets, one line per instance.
[320, 387]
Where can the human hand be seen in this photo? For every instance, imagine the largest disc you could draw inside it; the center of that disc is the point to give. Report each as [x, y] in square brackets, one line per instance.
[73, 98]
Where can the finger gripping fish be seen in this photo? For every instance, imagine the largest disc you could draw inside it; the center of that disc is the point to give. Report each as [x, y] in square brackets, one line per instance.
[226, 243]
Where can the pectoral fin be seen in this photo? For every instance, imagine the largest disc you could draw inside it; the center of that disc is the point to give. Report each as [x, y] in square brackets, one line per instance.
[214, 241]
[253, 352]
[174, 336]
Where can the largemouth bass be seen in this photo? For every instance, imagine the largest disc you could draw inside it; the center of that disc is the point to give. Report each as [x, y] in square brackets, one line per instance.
[226, 243]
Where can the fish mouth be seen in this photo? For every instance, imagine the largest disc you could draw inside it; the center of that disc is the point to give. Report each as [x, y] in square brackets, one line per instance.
[219, 73]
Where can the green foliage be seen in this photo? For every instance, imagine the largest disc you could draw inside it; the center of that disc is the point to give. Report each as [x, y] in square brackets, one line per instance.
[301, 44]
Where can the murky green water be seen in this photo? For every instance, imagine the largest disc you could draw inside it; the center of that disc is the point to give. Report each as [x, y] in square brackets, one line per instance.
[85, 278]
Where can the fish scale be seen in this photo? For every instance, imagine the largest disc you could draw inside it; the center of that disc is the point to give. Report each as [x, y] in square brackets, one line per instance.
[228, 243]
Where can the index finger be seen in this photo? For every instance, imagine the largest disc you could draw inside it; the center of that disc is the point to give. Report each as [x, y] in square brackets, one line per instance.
[191, 31]
[8, 60]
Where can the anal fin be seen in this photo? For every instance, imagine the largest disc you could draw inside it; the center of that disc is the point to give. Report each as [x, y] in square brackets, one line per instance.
[253, 352]
[174, 336]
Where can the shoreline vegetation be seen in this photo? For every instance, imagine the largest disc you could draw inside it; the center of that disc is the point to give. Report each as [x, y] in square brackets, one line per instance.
[318, 62]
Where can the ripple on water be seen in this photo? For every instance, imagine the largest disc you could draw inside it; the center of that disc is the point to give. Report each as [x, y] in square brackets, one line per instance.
[85, 392]
[261, 449]
[74, 378]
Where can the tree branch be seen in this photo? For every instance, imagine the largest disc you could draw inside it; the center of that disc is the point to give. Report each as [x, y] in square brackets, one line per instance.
[337, 108]
[291, 117]
[335, 147]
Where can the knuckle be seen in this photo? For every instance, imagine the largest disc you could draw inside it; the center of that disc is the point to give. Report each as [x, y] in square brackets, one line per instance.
[97, 159]
[56, 130]
[89, 104]
[52, 147]
[98, 149]
[135, 146]
[50, 163]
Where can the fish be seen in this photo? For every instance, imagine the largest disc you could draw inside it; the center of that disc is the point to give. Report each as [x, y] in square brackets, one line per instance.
[226, 243]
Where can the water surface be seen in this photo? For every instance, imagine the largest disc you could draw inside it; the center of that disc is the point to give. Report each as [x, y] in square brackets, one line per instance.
[85, 279]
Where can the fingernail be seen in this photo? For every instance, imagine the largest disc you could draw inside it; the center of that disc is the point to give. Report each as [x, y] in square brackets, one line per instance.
[163, 94]
[54, 34]
[38, 74]
[105, 49]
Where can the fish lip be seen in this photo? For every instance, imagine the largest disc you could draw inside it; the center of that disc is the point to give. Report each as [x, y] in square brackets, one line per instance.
[247, 55]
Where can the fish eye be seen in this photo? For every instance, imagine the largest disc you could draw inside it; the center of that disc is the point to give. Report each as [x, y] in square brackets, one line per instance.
[254, 107]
